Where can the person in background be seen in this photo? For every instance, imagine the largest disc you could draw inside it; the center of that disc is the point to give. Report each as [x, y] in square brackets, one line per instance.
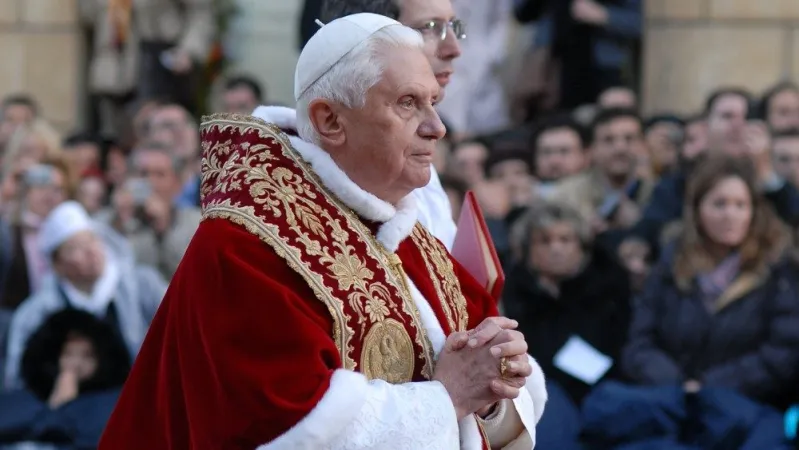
[785, 148]
[560, 149]
[242, 95]
[92, 194]
[23, 267]
[82, 152]
[513, 169]
[592, 40]
[611, 194]
[468, 161]
[144, 211]
[152, 48]
[456, 191]
[780, 107]
[172, 125]
[73, 368]
[93, 270]
[714, 338]
[475, 103]
[311, 12]
[31, 143]
[636, 256]
[664, 137]
[566, 293]
[727, 132]
[15, 111]
[617, 97]
[113, 164]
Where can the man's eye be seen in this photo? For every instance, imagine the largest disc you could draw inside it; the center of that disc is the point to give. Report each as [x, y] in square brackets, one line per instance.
[407, 103]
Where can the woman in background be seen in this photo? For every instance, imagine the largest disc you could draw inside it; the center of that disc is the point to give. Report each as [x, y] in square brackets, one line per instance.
[73, 367]
[714, 343]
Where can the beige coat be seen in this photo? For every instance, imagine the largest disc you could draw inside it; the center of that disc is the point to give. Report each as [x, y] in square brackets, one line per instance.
[189, 24]
[164, 254]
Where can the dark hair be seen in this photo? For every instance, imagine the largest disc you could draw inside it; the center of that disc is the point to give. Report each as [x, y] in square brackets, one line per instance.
[766, 236]
[480, 140]
[499, 156]
[663, 118]
[22, 100]
[40, 361]
[768, 96]
[723, 92]
[605, 116]
[81, 138]
[242, 81]
[336, 9]
[557, 122]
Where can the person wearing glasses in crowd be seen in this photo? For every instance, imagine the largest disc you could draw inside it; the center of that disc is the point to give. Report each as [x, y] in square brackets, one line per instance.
[442, 31]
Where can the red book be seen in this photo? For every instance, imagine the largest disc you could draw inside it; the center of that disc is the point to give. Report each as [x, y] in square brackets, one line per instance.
[474, 249]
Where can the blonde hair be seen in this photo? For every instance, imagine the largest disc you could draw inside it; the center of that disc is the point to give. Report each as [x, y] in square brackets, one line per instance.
[39, 129]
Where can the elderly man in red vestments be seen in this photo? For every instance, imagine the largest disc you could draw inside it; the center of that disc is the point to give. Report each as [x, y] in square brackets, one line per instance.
[311, 311]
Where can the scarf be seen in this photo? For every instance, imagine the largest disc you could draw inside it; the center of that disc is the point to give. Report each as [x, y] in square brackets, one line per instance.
[712, 284]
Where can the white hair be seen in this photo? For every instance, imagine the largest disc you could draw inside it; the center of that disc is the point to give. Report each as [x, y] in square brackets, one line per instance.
[348, 81]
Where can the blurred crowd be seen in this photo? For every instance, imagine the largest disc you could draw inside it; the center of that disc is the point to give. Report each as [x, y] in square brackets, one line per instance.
[650, 260]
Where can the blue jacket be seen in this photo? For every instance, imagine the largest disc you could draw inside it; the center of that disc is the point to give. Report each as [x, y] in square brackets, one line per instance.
[76, 425]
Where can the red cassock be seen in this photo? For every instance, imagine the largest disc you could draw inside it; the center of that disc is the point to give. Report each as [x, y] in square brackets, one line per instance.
[288, 308]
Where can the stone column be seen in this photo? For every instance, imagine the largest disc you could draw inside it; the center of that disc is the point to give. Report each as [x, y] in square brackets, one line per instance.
[41, 55]
[694, 46]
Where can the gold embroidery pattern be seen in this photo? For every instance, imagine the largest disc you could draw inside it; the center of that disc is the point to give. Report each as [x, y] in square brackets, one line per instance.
[287, 196]
[442, 272]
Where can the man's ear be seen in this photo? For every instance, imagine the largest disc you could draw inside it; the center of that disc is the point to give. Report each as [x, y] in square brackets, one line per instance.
[324, 116]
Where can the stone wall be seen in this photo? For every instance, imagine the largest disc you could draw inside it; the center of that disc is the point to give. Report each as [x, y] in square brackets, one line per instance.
[694, 46]
[40, 47]
[263, 43]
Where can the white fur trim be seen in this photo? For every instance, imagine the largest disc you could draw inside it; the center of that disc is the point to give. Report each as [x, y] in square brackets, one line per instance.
[285, 118]
[340, 405]
[396, 223]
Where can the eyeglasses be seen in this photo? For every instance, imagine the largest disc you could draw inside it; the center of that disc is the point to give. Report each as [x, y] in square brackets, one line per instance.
[440, 28]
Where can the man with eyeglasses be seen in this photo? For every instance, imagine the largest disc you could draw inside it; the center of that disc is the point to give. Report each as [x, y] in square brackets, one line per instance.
[441, 30]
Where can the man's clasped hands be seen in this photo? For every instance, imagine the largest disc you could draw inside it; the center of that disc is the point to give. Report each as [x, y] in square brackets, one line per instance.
[470, 366]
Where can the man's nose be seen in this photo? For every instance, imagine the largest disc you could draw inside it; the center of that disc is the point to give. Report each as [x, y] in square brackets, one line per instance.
[449, 48]
[432, 127]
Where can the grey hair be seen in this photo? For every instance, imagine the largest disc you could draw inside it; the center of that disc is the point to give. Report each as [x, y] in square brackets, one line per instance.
[348, 81]
[543, 216]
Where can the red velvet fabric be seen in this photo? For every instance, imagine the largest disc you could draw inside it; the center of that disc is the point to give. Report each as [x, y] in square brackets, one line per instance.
[239, 352]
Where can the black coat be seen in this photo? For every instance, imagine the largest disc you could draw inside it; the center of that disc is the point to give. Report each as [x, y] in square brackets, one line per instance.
[751, 345]
[594, 305]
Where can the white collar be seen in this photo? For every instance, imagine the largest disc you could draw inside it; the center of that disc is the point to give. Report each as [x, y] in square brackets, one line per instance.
[102, 293]
[396, 223]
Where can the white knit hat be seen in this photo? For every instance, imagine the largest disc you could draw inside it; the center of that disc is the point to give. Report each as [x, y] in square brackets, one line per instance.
[65, 221]
[331, 43]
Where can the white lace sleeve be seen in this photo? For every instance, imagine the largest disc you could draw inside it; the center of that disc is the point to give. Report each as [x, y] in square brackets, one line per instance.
[356, 414]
